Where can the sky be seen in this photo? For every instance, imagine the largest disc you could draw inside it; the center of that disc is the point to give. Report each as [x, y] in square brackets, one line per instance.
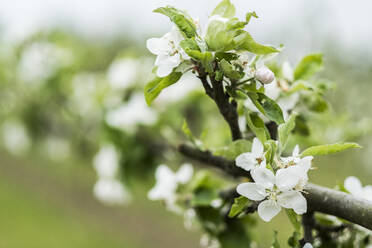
[300, 23]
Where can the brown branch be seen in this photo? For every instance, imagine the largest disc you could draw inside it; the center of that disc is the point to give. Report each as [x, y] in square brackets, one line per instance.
[308, 223]
[319, 199]
[227, 108]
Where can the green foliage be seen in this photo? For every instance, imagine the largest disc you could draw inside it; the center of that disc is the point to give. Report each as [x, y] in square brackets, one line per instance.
[234, 149]
[294, 240]
[205, 58]
[225, 9]
[294, 219]
[285, 129]
[238, 206]
[308, 66]
[328, 149]
[271, 148]
[257, 125]
[275, 243]
[181, 19]
[155, 86]
[267, 107]
[245, 42]
[229, 71]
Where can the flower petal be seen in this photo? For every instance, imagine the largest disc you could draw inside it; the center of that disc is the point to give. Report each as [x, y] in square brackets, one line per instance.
[157, 46]
[308, 245]
[288, 178]
[184, 174]
[268, 209]
[296, 151]
[252, 191]
[257, 148]
[164, 70]
[367, 193]
[263, 177]
[245, 161]
[353, 185]
[293, 199]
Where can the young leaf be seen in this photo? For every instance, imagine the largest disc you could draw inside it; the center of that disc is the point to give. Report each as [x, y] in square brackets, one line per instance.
[238, 206]
[189, 44]
[181, 19]
[271, 148]
[328, 149]
[245, 42]
[249, 15]
[155, 86]
[229, 71]
[234, 149]
[275, 243]
[225, 9]
[267, 106]
[257, 125]
[293, 217]
[205, 58]
[308, 66]
[285, 129]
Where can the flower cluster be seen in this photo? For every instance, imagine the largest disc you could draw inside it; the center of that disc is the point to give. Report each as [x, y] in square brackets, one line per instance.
[167, 183]
[277, 186]
[354, 186]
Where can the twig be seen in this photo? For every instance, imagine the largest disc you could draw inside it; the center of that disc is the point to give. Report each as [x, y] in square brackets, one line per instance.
[308, 223]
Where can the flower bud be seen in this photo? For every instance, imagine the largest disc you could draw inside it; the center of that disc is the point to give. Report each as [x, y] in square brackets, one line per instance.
[265, 75]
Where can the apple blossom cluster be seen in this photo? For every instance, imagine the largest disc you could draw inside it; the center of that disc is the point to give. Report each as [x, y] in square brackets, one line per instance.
[282, 189]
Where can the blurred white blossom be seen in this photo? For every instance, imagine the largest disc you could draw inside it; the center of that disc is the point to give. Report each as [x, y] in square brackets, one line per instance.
[354, 186]
[112, 192]
[167, 182]
[15, 137]
[130, 114]
[106, 162]
[122, 73]
[40, 60]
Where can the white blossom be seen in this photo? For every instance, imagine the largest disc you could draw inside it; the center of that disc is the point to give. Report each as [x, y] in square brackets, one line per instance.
[106, 162]
[354, 186]
[122, 73]
[274, 191]
[15, 137]
[167, 182]
[264, 75]
[168, 51]
[297, 169]
[130, 114]
[308, 245]
[250, 160]
[111, 192]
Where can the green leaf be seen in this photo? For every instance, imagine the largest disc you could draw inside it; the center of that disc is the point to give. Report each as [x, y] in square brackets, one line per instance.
[271, 148]
[267, 107]
[257, 125]
[205, 58]
[203, 197]
[155, 86]
[218, 37]
[184, 23]
[245, 42]
[249, 15]
[229, 71]
[316, 103]
[189, 44]
[275, 243]
[285, 129]
[293, 218]
[294, 240]
[187, 131]
[234, 149]
[308, 66]
[328, 149]
[225, 9]
[239, 204]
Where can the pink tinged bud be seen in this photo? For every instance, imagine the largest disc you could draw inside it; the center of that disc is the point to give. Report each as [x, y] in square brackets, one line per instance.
[265, 75]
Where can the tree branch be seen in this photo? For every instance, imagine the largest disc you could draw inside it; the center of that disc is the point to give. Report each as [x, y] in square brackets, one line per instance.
[308, 223]
[320, 199]
[227, 108]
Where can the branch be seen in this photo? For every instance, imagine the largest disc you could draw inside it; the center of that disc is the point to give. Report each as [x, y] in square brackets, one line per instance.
[320, 199]
[227, 109]
[308, 223]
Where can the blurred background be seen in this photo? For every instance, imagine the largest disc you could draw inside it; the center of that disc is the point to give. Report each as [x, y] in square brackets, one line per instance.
[78, 144]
